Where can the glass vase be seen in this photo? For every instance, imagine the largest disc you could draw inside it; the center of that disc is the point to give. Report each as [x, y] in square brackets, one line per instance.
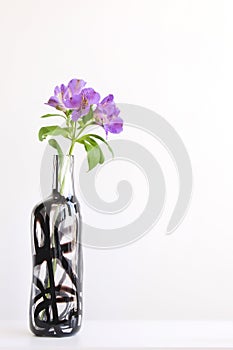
[56, 290]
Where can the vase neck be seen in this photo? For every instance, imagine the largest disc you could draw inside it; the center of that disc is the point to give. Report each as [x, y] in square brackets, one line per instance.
[63, 180]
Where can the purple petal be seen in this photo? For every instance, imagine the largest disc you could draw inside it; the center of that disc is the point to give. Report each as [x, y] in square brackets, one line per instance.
[99, 115]
[53, 102]
[73, 101]
[116, 111]
[57, 90]
[109, 109]
[63, 88]
[78, 113]
[60, 90]
[76, 85]
[91, 96]
[114, 126]
[84, 110]
[108, 106]
[107, 99]
[75, 115]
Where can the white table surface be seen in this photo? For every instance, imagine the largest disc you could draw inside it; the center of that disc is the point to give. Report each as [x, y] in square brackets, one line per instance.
[124, 335]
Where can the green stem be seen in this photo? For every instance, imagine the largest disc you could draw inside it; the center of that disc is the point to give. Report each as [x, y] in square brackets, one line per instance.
[71, 148]
[64, 178]
[73, 139]
[54, 264]
[76, 136]
[85, 126]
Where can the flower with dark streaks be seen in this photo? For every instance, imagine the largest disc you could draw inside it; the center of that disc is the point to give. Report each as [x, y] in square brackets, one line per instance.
[67, 97]
[106, 114]
[57, 101]
[72, 96]
[81, 108]
[88, 97]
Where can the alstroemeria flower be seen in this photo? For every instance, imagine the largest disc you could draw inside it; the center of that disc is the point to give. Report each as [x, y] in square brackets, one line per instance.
[106, 114]
[72, 97]
[78, 100]
[76, 86]
[87, 98]
[67, 97]
[56, 101]
[78, 103]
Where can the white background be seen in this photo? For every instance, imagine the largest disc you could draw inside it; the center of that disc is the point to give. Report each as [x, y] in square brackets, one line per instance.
[174, 57]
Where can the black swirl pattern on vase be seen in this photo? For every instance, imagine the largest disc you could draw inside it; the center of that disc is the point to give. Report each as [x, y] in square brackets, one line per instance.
[56, 295]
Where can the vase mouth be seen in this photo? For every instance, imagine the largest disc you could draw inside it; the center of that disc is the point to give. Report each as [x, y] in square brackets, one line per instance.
[57, 156]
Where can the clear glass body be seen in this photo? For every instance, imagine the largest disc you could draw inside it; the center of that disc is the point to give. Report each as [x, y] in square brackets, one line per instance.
[56, 291]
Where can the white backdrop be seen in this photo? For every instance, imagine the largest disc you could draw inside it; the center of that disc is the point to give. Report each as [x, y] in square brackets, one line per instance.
[174, 57]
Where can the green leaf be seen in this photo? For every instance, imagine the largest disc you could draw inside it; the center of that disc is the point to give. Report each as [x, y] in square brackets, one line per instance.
[52, 115]
[82, 141]
[53, 130]
[103, 140]
[91, 141]
[95, 144]
[80, 121]
[102, 159]
[53, 143]
[88, 117]
[93, 155]
[94, 152]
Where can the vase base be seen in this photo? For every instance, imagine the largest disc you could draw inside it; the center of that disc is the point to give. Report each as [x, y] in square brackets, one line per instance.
[55, 332]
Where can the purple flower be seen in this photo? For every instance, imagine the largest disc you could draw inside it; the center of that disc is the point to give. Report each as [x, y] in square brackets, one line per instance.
[67, 97]
[72, 96]
[88, 97]
[76, 85]
[106, 114]
[56, 101]
[78, 100]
